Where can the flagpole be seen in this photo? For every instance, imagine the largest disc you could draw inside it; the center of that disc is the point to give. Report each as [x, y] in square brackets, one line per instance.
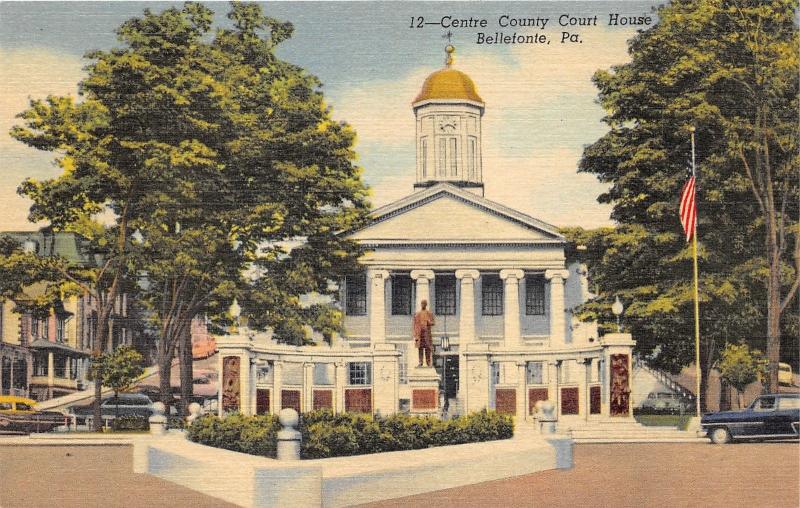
[696, 286]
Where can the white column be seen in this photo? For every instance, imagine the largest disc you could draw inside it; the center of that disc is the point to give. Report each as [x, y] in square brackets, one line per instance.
[522, 395]
[511, 324]
[377, 306]
[583, 388]
[466, 322]
[557, 321]
[423, 279]
[338, 389]
[277, 387]
[50, 369]
[552, 385]
[307, 403]
[466, 327]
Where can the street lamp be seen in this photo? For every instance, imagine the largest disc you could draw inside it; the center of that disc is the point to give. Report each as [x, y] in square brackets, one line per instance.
[445, 345]
[617, 309]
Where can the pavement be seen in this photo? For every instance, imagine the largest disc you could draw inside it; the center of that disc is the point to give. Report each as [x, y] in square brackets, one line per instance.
[637, 475]
[617, 475]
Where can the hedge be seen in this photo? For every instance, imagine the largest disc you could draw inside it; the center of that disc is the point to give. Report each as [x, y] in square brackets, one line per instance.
[137, 423]
[328, 435]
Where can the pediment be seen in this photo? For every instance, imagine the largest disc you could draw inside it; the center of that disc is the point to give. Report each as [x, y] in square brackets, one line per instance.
[446, 214]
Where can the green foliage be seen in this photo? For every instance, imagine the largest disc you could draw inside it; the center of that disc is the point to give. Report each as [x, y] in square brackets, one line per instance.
[130, 422]
[730, 69]
[739, 365]
[327, 435]
[219, 154]
[255, 435]
[118, 369]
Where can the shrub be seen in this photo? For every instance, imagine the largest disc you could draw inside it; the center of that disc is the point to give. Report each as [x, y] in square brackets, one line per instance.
[325, 434]
[131, 422]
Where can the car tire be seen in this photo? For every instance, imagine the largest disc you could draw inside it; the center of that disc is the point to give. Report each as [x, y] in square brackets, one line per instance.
[720, 435]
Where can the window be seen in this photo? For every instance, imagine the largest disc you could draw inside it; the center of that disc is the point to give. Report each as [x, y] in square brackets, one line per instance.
[60, 329]
[534, 295]
[452, 154]
[535, 373]
[401, 295]
[492, 295]
[44, 328]
[34, 327]
[442, 157]
[5, 406]
[22, 406]
[323, 374]
[360, 373]
[424, 155]
[473, 155]
[40, 364]
[445, 293]
[356, 295]
[764, 404]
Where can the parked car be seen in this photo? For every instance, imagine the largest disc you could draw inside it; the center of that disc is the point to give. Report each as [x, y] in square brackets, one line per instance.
[785, 374]
[17, 415]
[664, 402]
[773, 416]
[127, 404]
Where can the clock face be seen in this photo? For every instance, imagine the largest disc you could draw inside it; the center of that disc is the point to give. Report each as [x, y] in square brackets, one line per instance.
[448, 123]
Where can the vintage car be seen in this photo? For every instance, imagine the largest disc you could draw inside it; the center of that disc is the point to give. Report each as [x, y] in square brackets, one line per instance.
[772, 416]
[664, 402]
[127, 404]
[17, 415]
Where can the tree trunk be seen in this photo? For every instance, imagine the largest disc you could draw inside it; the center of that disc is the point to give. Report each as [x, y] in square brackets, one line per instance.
[773, 321]
[706, 361]
[164, 385]
[98, 348]
[724, 395]
[187, 375]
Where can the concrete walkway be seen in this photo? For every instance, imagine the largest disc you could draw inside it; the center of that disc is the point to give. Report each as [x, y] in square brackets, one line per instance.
[83, 476]
[638, 475]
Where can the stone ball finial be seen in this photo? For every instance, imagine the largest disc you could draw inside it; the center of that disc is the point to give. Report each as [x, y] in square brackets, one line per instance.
[159, 408]
[288, 417]
[195, 411]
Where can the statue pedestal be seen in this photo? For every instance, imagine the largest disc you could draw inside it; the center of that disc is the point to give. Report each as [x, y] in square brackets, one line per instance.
[424, 384]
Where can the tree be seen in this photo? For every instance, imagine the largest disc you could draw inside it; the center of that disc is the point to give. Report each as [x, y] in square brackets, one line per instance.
[714, 65]
[118, 370]
[739, 366]
[223, 157]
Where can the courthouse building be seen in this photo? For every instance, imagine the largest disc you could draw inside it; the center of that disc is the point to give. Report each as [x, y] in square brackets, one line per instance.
[498, 283]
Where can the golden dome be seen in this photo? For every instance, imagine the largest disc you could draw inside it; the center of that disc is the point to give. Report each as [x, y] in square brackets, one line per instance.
[448, 83]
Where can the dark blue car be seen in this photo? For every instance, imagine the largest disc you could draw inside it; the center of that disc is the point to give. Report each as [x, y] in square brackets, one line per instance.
[773, 416]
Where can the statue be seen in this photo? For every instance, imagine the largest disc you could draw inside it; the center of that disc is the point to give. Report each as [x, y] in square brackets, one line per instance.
[423, 321]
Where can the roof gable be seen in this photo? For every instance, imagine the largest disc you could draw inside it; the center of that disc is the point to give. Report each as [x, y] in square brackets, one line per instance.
[447, 214]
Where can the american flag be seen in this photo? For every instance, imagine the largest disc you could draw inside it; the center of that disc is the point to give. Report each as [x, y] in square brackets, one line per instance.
[688, 208]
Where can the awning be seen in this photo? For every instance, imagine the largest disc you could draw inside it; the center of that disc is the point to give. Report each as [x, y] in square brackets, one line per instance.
[56, 346]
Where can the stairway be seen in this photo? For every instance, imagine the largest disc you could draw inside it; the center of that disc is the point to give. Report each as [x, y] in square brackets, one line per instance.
[667, 380]
[627, 431]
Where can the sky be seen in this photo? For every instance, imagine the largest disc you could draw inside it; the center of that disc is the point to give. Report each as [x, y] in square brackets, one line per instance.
[541, 106]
